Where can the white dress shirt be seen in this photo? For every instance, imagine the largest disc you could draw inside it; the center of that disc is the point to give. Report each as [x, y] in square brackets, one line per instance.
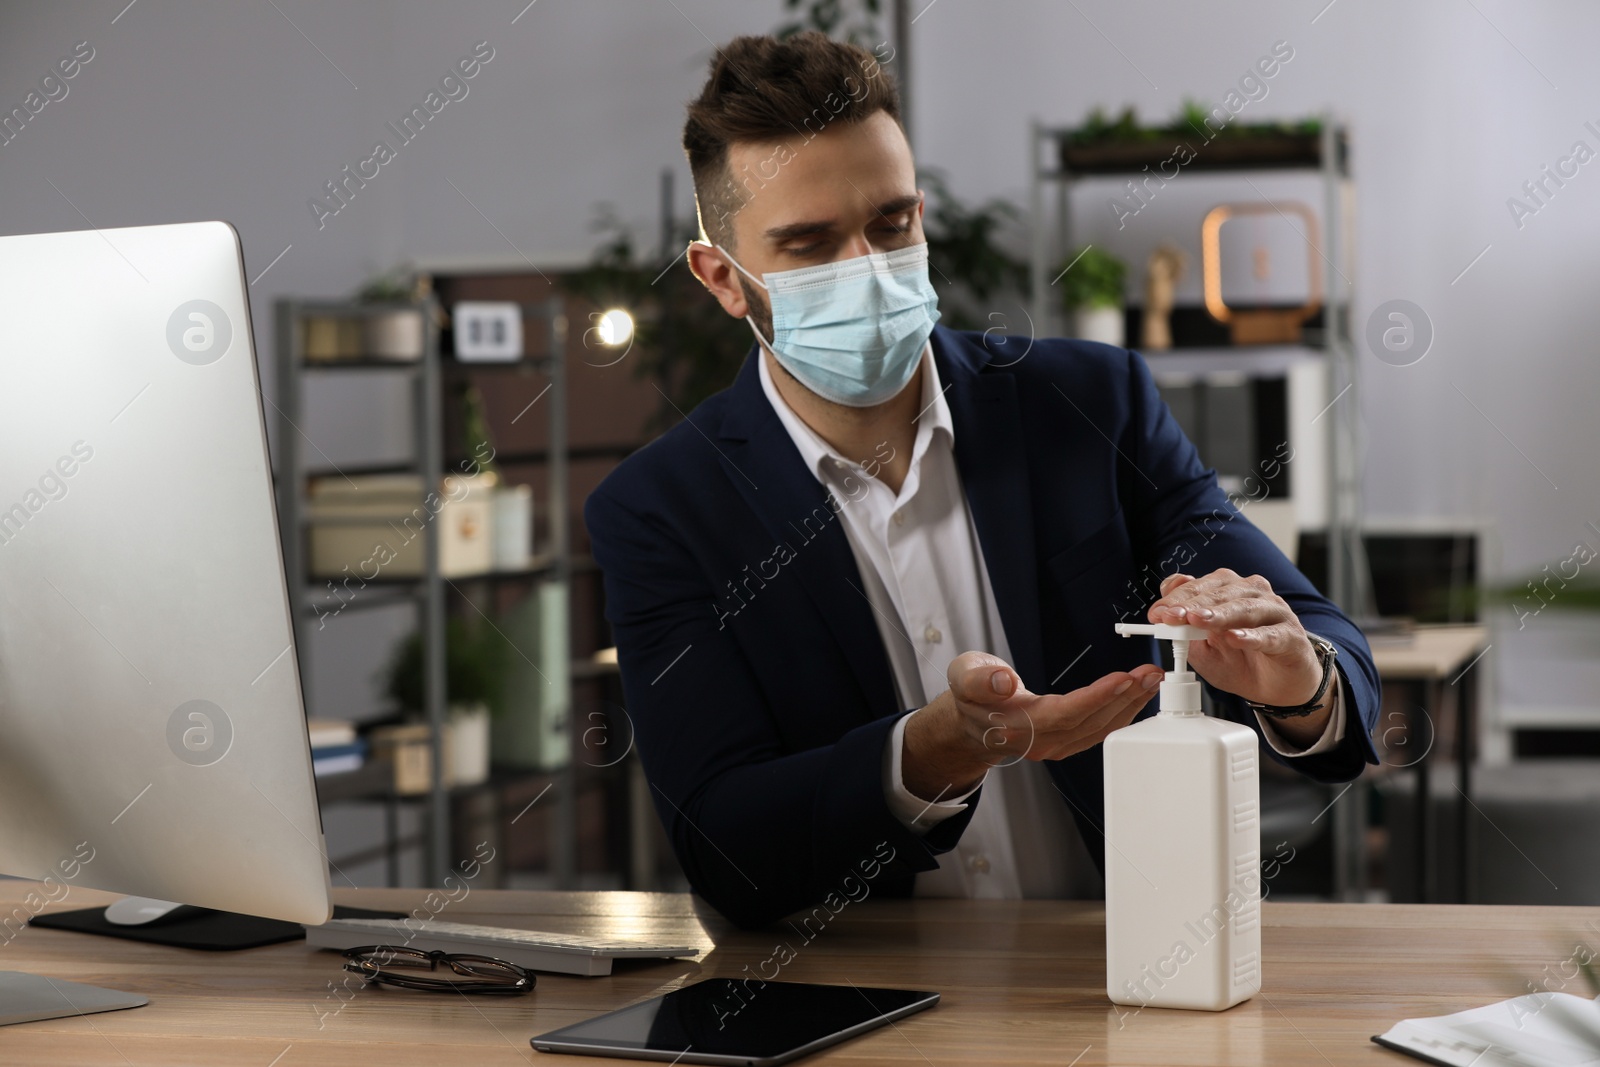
[924, 576]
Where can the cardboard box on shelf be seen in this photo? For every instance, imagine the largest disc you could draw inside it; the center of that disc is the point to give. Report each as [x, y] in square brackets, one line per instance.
[331, 338]
[373, 526]
[409, 751]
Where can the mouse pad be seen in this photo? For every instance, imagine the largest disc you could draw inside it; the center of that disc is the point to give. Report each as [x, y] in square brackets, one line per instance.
[201, 928]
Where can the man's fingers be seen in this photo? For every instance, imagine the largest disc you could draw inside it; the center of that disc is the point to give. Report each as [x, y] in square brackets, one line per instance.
[1202, 600]
[1113, 686]
[1172, 581]
[981, 678]
[1196, 586]
[1048, 725]
[1217, 613]
[1115, 718]
[1200, 591]
[1125, 702]
[1093, 730]
[1044, 718]
[1272, 640]
[1099, 699]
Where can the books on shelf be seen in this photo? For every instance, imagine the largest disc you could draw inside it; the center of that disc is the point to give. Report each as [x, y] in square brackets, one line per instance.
[338, 760]
[327, 733]
[335, 747]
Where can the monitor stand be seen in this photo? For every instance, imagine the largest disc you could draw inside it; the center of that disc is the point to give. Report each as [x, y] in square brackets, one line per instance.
[136, 911]
[27, 998]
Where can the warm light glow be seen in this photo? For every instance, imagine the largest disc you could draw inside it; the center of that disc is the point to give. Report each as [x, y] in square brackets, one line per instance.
[616, 327]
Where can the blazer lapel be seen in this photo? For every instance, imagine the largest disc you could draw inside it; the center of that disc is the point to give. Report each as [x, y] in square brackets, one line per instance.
[771, 476]
[992, 458]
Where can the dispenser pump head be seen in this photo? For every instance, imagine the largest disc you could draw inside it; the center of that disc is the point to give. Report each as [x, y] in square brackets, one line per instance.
[1180, 689]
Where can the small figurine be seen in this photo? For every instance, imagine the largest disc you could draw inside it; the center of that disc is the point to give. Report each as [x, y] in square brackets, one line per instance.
[1162, 273]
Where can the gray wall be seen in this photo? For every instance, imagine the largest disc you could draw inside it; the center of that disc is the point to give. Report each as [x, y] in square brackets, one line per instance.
[198, 110]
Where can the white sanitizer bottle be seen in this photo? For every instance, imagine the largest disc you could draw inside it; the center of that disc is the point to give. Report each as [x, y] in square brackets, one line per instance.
[1183, 849]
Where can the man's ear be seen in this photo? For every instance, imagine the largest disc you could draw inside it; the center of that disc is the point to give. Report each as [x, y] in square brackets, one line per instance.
[720, 277]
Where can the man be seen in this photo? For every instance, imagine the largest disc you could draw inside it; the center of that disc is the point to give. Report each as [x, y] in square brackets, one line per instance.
[882, 569]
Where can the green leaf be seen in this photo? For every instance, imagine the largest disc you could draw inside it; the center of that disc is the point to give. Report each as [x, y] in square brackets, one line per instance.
[1188, 121]
[969, 265]
[475, 661]
[1094, 279]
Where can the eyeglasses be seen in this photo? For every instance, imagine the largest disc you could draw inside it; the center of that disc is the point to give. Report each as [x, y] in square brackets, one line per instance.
[399, 966]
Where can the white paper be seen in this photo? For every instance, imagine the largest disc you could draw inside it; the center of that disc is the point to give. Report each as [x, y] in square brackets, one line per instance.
[1538, 1030]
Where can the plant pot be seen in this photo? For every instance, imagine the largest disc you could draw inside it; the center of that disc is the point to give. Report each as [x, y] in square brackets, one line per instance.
[468, 745]
[394, 335]
[1103, 324]
[1265, 149]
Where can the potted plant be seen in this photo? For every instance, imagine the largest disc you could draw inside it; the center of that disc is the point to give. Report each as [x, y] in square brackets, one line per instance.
[395, 333]
[1092, 293]
[1106, 145]
[974, 273]
[832, 17]
[474, 665]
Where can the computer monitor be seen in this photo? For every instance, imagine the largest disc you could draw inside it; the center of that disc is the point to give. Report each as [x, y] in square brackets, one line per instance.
[152, 731]
[1427, 573]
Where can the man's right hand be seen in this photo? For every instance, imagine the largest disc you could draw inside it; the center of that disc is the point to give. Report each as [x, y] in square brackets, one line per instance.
[988, 719]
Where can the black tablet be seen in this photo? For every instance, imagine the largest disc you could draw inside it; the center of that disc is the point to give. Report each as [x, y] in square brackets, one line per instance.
[733, 1021]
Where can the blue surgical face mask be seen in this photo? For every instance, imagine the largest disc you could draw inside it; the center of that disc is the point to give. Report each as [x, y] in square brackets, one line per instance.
[852, 331]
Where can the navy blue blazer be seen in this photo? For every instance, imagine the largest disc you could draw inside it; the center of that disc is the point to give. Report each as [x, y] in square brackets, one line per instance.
[758, 687]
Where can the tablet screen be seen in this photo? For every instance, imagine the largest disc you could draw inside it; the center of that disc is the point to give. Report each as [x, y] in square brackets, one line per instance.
[747, 1021]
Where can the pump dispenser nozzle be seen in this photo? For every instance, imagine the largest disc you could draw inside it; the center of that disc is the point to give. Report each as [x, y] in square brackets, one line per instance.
[1180, 689]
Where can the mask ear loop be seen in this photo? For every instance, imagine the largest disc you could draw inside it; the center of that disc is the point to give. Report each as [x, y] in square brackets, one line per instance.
[736, 263]
[750, 321]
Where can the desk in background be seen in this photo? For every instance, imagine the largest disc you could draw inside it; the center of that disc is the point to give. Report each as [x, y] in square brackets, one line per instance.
[1022, 983]
[1434, 660]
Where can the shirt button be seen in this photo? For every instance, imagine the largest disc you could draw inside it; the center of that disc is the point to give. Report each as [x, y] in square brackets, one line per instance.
[900, 517]
[933, 635]
[978, 864]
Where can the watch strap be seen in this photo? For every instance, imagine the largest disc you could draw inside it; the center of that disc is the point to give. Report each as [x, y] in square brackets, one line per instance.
[1326, 652]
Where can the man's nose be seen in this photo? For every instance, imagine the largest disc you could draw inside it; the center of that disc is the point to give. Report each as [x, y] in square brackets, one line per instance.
[856, 247]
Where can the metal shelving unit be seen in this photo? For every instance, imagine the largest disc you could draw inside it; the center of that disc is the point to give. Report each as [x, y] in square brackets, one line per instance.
[1339, 447]
[427, 592]
[1326, 155]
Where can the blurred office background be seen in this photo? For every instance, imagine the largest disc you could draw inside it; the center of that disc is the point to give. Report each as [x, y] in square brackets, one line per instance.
[1406, 154]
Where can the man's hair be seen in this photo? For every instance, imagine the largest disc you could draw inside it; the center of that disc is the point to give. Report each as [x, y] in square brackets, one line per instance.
[785, 92]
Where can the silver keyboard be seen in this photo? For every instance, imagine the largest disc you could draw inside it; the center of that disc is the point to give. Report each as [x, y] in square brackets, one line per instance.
[488, 937]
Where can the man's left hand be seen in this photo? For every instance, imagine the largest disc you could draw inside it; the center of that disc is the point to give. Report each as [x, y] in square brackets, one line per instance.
[1256, 647]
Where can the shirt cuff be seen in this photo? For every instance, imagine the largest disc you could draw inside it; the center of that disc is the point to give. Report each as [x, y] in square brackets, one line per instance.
[915, 814]
[1330, 733]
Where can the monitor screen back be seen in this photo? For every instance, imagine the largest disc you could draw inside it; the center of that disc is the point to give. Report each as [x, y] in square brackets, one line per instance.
[152, 732]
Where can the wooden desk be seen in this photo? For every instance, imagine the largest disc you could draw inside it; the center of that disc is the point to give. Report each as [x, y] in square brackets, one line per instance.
[1432, 660]
[1434, 653]
[1022, 983]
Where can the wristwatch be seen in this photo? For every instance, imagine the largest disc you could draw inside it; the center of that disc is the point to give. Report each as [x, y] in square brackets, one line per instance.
[1325, 653]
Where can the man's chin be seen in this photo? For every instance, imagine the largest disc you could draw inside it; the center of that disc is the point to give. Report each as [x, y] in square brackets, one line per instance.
[816, 397]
